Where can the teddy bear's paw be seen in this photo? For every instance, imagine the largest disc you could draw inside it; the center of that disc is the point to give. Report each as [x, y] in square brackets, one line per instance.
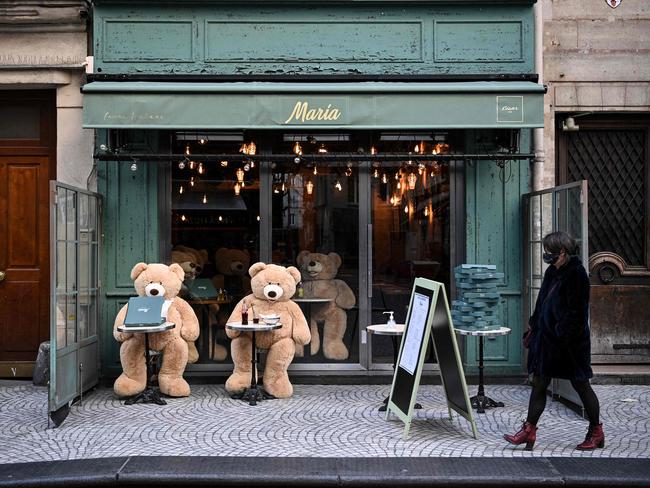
[238, 382]
[126, 387]
[192, 353]
[173, 386]
[314, 346]
[279, 387]
[300, 351]
[336, 351]
[219, 352]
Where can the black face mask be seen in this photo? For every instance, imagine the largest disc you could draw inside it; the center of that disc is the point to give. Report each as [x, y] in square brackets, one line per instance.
[550, 258]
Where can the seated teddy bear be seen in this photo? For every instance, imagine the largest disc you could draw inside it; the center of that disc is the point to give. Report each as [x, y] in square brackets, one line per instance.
[272, 286]
[318, 273]
[157, 280]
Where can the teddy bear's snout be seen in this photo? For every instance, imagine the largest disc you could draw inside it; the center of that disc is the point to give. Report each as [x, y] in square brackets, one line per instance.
[273, 292]
[154, 290]
[237, 266]
[314, 268]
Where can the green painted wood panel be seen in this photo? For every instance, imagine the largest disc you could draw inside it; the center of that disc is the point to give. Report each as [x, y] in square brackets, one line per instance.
[342, 38]
[130, 235]
[494, 236]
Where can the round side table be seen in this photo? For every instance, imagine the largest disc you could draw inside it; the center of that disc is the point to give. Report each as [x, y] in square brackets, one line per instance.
[254, 393]
[480, 402]
[149, 394]
[394, 331]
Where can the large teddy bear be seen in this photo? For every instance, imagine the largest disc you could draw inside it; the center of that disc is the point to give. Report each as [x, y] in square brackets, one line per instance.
[318, 273]
[232, 266]
[273, 286]
[157, 280]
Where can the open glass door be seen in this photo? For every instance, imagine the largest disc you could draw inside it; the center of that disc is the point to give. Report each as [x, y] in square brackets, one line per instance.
[74, 312]
[560, 208]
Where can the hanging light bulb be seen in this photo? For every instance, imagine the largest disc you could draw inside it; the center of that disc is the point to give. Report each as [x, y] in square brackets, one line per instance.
[181, 165]
[283, 187]
[220, 218]
[397, 175]
[412, 179]
[243, 148]
[192, 163]
[416, 149]
[392, 200]
[338, 186]
[276, 190]
[237, 188]
[180, 190]
[224, 163]
[200, 169]
[348, 171]
[384, 179]
[203, 141]
[399, 185]
[375, 173]
[310, 187]
[205, 198]
[322, 149]
[183, 218]
[426, 211]
[421, 168]
[187, 150]
[247, 167]
[297, 149]
[192, 181]
[406, 209]
[373, 150]
[252, 148]
[258, 218]
[240, 175]
[252, 164]
[315, 170]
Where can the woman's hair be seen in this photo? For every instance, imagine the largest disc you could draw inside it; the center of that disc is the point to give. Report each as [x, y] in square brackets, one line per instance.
[556, 241]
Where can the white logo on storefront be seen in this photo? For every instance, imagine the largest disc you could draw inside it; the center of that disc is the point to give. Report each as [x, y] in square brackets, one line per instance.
[302, 113]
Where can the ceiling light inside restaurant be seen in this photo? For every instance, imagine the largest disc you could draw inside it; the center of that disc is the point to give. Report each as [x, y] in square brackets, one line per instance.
[310, 187]
[322, 149]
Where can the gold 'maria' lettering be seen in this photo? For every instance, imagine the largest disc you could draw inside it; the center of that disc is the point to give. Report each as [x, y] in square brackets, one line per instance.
[302, 113]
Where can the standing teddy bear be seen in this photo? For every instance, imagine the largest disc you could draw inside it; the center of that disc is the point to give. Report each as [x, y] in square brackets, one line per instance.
[272, 286]
[157, 280]
[318, 273]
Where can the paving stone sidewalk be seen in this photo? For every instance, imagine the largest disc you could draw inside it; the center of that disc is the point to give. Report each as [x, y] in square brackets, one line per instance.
[319, 421]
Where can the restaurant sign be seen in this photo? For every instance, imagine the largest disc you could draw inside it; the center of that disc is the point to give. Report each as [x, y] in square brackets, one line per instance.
[315, 110]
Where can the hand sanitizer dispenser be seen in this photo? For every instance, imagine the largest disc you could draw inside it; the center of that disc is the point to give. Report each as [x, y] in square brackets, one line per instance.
[391, 321]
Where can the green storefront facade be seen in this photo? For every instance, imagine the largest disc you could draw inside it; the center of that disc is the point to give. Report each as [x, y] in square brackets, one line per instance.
[352, 75]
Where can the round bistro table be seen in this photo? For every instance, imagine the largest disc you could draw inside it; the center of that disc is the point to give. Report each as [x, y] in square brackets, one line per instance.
[149, 394]
[253, 394]
[394, 331]
[480, 402]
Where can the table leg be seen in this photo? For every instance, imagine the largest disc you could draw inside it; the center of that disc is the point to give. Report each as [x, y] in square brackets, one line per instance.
[383, 408]
[253, 394]
[149, 394]
[480, 402]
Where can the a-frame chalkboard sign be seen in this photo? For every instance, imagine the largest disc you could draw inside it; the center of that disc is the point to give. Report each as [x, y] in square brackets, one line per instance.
[428, 316]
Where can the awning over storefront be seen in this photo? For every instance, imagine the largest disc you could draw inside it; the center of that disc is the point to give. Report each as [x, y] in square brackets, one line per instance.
[365, 105]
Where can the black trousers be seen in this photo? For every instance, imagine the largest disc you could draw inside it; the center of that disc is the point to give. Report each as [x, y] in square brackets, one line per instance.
[537, 401]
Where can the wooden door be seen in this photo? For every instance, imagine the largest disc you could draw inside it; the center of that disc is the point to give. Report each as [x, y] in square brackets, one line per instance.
[26, 165]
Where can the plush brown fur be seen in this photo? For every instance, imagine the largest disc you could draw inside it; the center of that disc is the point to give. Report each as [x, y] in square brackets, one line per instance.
[173, 343]
[318, 272]
[281, 343]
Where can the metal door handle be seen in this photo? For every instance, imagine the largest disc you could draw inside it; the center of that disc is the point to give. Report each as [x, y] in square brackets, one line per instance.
[3, 275]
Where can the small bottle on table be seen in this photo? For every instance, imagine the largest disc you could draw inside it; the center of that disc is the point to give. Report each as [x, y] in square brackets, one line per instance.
[244, 314]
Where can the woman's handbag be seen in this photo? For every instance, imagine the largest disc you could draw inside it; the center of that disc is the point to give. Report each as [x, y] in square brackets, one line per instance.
[528, 336]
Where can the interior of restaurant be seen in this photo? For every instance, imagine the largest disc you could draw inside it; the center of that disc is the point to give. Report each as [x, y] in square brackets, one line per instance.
[322, 192]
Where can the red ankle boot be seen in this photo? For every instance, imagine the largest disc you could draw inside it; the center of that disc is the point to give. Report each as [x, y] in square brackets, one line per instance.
[595, 438]
[527, 434]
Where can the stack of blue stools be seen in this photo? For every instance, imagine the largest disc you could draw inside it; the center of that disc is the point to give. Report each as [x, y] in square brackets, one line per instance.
[478, 297]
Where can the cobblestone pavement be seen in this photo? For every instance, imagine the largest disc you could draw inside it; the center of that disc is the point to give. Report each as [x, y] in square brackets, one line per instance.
[319, 421]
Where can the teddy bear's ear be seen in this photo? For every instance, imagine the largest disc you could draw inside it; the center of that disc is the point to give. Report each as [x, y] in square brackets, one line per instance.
[336, 258]
[178, 271]
[204, 255]
[137, 270]
[302, 257]
[293, 271]
[256, 268]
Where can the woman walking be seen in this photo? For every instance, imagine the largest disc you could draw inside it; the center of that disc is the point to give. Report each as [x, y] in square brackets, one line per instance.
[558, 339]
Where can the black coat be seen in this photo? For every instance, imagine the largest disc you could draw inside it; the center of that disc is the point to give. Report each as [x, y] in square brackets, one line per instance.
[560, 346]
